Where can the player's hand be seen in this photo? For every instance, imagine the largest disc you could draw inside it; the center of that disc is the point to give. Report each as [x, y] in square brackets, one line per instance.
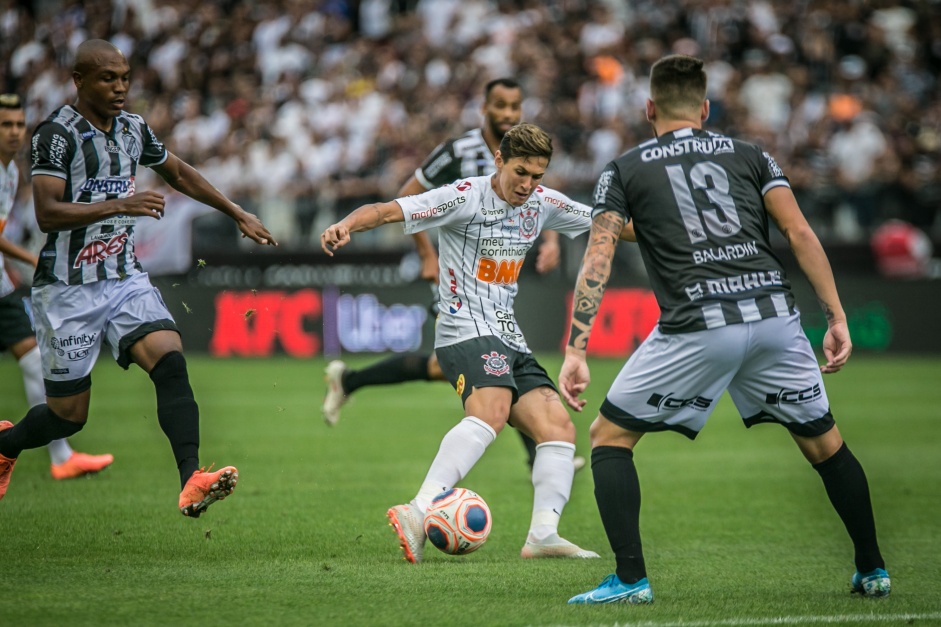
[334, 237]
[252, 228]
[549, 255]
[837, 347]
[148, 204]
[574, 379]
[429, 267]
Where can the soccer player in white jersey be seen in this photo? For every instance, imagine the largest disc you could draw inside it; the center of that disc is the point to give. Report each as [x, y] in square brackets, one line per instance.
[486, 225]
[700, 205]
[89, 287]
[470, 154]
[16, 330]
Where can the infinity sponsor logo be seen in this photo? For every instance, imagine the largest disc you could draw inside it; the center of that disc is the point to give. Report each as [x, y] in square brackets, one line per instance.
[74, 347]
[794, 397]
[669, 403]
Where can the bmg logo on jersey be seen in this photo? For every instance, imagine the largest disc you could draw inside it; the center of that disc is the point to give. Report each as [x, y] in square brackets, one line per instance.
[667, 402]
[794, 397]
[74, 347]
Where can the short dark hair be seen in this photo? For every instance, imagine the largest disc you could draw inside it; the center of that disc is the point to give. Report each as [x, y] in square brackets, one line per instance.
[525, 140]
[11, 101]
[678, 84]
[509, 83]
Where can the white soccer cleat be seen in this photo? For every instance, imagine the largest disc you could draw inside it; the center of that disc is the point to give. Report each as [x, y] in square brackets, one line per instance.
[409, 526]
[554, 546]
[334, 397]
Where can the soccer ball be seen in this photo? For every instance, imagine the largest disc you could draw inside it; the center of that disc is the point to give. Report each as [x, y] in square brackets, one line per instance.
[458, 521]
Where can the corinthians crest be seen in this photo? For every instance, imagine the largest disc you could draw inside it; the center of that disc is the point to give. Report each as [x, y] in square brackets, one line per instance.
[495, 364]
[528, 224]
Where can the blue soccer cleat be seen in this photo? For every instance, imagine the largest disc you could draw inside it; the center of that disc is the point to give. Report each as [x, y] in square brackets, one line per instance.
[613, 590]
[875, 583]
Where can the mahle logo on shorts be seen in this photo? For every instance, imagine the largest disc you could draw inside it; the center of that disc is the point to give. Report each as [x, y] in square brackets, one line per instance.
[669, 403]
[794, 397]
[495, 364]
[74, 347]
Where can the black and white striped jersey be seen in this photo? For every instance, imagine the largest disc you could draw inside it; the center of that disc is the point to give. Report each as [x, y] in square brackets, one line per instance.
[457, 158]
[697, 202]
[96, 166]
[483, 241]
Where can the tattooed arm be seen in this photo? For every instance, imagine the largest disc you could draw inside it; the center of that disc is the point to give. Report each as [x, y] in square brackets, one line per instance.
[606, 229]
[783, 209]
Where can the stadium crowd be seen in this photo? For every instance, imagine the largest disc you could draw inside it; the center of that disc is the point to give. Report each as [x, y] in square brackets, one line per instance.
[304, 109]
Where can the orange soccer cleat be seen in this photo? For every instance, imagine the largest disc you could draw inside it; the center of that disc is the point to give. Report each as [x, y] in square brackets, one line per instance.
[205, 488]
[80, 465]
[6, 464]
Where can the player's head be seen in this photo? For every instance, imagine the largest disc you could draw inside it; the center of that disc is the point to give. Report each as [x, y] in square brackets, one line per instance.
[101, 75]
[503, 106]
[678, 90]
[521, 161]
[12, 125]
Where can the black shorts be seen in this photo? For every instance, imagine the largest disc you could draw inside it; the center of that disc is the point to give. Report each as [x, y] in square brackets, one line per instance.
[487, 362]
[15, 325]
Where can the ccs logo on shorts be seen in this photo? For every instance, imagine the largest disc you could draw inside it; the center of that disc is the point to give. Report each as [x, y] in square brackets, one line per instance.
[794, 397]
[669, 402]
[459, 386]
[495, 364]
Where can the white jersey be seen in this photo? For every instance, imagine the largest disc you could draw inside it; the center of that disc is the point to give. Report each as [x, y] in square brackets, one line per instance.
[9, 179]
[482, 242]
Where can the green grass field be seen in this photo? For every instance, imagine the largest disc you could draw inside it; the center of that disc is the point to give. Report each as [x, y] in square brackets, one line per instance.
[738, 529]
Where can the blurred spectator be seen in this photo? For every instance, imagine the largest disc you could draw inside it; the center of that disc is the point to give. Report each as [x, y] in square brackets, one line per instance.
[303, 109]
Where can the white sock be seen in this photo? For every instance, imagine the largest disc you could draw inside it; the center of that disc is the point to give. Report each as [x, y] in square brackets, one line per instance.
[31, 366]
[552, 482]
[460, 449]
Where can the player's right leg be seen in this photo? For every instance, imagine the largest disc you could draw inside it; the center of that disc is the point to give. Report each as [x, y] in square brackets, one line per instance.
[341, 381]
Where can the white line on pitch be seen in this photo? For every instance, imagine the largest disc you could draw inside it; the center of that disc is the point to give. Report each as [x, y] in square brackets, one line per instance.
[786, 620]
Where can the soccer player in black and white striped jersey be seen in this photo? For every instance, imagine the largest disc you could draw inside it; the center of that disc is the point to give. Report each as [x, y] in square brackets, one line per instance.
[16, 329]
[700, 205]
[89, 287]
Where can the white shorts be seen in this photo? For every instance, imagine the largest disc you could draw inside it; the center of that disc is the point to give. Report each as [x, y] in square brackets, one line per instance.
[73, 320]
[673, 381]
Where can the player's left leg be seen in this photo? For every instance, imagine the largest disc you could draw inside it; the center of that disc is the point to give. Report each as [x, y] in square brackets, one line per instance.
[539, 412]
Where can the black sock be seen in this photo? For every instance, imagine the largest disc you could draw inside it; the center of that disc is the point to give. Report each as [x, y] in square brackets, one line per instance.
[530, 445]
[617, 492]
[177, 411]
[38, 428]
[846, 485]
[395, 369]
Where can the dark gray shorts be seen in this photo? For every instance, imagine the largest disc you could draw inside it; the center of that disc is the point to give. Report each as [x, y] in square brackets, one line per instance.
[487, 362]
[15, 325]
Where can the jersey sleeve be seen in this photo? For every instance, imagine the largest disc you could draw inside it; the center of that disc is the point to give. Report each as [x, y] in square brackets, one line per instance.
[154, 152]
[771, 174]
[439, 207]
[442, 166]
[52, 149]
[609, 193]
[564, 215]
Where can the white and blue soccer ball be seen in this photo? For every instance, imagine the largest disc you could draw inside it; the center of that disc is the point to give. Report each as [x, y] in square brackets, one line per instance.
[458, 521]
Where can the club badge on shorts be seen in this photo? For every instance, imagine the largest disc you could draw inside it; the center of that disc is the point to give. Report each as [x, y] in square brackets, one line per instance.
[495, 364]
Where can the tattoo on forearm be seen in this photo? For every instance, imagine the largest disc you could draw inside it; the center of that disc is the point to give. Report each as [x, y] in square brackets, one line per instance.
[827, 311]
[593, 278]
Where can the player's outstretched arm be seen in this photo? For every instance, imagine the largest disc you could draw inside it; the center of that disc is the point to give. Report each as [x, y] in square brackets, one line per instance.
[185, 179]
[364, 218]
[784, 210]
[593, 277]
[53, 214]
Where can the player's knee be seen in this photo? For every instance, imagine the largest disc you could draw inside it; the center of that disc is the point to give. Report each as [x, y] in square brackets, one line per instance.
[70, 408]
[171, 378]
[603, 432]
